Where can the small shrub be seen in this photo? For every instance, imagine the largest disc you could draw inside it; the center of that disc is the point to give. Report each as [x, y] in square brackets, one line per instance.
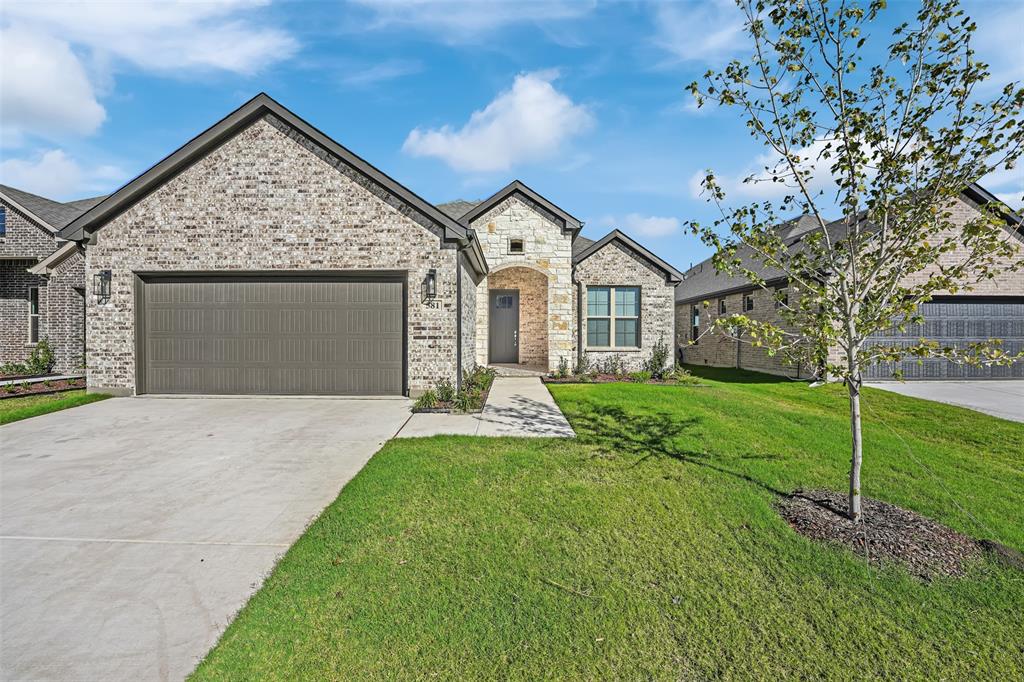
[13, 369]
[445, 391]
[42, 359]
[48, 383]
[582, 365]
[466, 401]
[563, 367]
[610, 365]
[426, 401]
[658, 361]
[641, 377]
[10, 388]
[480, 378]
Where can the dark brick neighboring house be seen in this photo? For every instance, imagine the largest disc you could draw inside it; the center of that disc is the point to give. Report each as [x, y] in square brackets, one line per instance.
[42, 278]
[992, 309]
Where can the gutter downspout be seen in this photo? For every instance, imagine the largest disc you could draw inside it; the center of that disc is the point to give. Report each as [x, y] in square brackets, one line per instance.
[458, 316]
[579, 318]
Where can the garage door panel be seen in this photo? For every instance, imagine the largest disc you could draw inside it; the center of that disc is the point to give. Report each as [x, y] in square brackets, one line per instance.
[273, 336]
[957, 323]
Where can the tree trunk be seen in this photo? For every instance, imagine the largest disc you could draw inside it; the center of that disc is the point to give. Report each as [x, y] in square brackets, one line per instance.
[857, 450]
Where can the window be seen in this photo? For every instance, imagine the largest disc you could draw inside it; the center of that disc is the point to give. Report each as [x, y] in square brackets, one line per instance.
[516, 246]
[33, 314]
[781, 297]
[694, 323]
[502, 302]
[748, 302]
[613, 317]
[3, 222]
[721, 306]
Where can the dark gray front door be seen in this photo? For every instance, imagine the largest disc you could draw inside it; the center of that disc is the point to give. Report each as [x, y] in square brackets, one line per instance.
[957, 322]
[504, 331]
[272, 335]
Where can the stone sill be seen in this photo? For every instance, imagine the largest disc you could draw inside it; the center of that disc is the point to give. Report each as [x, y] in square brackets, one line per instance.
[613, 349]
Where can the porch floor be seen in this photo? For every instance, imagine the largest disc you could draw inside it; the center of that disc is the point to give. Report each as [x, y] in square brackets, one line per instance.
[512, 370]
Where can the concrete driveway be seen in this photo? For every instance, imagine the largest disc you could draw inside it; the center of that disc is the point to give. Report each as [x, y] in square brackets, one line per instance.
[1000, 398]
[132, 530]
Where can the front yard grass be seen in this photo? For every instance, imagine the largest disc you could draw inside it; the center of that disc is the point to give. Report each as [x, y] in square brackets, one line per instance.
[14, 409]
[648, 548]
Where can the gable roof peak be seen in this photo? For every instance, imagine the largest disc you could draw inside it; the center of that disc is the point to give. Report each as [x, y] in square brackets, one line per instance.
[519, 188]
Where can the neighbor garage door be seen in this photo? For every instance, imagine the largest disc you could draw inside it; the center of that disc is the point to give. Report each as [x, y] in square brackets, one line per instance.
[271, 335]
[953, 322]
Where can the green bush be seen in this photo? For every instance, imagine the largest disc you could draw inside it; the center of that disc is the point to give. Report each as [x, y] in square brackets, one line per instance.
[42, 359]
[658, 361]
[445, 391]
[13, 369]
[582, 365]
[563, 368]
[641, 377]
[426, 401]
[466, 401]
[480, 378]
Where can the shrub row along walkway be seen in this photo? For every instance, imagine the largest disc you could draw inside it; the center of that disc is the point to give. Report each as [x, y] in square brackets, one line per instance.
[516, 406]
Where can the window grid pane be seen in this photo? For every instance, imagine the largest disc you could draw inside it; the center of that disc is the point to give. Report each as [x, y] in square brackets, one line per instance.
[625, 332]
[626, 302]
[598, 332]
[598, 302]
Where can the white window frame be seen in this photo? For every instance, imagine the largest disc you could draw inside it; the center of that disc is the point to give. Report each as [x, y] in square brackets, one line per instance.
[34, 315]
[612, 317]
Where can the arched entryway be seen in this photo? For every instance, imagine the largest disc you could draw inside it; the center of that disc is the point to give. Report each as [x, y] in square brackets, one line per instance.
[518, 317]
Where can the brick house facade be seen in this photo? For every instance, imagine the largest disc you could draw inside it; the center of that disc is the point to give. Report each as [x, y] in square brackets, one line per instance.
[42, 280]
[263, 202]
[990, 309]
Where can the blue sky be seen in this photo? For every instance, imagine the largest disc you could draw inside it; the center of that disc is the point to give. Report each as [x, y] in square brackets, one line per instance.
[583, 101]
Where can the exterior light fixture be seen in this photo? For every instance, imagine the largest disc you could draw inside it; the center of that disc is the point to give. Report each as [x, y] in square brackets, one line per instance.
[101, 285]
[430, 285]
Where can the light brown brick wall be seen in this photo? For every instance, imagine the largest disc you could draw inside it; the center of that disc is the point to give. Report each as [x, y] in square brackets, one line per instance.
[65, 312]
[618, 265]
[533, 310]
[269, 199]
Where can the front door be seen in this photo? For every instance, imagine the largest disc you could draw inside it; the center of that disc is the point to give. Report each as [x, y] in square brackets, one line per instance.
[504, 332]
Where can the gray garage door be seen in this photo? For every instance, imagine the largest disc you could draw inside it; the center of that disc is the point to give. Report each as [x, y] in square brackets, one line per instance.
[273, 336]
[956, 323]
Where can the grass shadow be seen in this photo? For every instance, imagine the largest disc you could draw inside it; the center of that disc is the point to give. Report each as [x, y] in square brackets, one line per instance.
[737, 376]
[652, 434]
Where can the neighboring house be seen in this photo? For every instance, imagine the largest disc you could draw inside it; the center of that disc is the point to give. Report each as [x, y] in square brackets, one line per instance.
[263, 257]
[42, 279]
[992, 309]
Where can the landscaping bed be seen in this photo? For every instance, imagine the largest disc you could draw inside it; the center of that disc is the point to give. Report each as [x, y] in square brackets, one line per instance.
[40, 387]
[679, 377]
[887, 534]
[443, 398]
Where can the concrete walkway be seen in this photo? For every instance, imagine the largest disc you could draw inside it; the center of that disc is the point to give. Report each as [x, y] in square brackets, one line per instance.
[515, 407]
[999, 398]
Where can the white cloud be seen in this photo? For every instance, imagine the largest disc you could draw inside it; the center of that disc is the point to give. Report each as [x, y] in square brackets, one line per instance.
[529, 122]
[650, 226]
[45, 88]
[755, 182]
[378, 73]
[706, 31]
[456, 21]
[998, 40]
[56, 175]
[164, 36]
[643, 225]
[1007, 184]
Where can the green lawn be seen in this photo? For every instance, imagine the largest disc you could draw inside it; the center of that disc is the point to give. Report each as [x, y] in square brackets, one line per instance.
[649, 548]
[13, 409]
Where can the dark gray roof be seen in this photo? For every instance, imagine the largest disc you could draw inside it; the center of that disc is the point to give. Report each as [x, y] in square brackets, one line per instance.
[671, 274]
[55, 213]
[102, 213]
[704, 280]
[458, 208]
[579, 245]
[85, 204]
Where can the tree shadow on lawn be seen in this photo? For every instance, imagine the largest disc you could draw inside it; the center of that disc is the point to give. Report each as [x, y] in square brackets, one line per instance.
[738, 376]
[647, 435]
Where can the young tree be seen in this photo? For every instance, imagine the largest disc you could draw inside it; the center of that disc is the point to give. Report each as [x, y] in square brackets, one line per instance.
[888, 148]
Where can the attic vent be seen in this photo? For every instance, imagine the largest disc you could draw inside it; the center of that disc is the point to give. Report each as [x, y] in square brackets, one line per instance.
[516, 246]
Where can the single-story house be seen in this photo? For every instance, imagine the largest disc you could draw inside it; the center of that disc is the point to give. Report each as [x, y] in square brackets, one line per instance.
[42, 279]
[991, 309]
[263, 257]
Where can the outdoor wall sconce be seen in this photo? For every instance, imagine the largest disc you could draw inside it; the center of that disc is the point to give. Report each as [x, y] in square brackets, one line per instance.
[101, 285]
[430, 285]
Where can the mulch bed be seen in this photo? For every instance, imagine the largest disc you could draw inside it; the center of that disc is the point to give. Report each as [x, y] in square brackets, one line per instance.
[893, 535]
[40, 387]
[449, 408]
